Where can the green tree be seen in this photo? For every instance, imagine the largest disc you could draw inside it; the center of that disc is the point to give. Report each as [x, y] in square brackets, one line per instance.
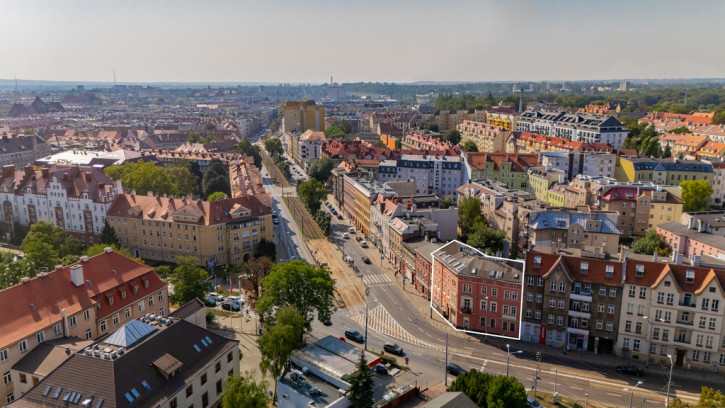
[244, 391]
[108, 234]
[696, 195]
[164, 271]
[487, 239]
[188, 280]
[100, 248]
[216, 196]
[209, 126]
[491, 391]
[273, 147]
[651, 242]
[361, 383]
[306, 287]
[47, 245]
[185, 180]
[28, 132]
[209, 139]
[281, 337]
[266, 248]
[718, 118]
[246, 147]
[251, 273]
[13, 271]
[667, 152]
[469, 146]
[334, 132]
[446, 202]
[469, 215]
[143, 177]
[311, 193]
[321, 169]
[193, 137]
[452, 136]
[216, 178]
[398, 144]
[680, 130]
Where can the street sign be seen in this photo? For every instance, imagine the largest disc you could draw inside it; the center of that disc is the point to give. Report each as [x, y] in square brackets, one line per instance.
[406, 361]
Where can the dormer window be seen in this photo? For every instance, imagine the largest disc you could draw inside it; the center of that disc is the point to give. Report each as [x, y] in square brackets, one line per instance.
[537, 262]
[135, 289]
[110, 300]
[609, 271]
[689, 276]
[123, 294]
[145, 283]
[639, 270]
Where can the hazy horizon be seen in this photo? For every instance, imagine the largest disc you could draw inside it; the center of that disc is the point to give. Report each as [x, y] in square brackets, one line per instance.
[278, 41]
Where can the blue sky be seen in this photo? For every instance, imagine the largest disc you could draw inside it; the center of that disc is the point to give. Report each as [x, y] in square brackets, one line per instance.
[371, 40]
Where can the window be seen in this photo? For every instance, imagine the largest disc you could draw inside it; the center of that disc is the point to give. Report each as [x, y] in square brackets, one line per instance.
[551, 319]
[660, 297]
[552, 302]
[23, 378]
[632, 291]
[40, 336]
[698, 342]
[695, 355]
[229, 357]
[530, 280]
[89, 334]
[87, 314]
[189, 391]
[174, 403]
[218, 387]
[703, 321]
[10, 397]
[151, 301]
[602, 291]
[217, 366]
[715, 305]
[483, 305]
[643, 293]
[539, 298]
[494, 292]
[705, 303]
[712, 323]
[628, 326]
[115, 319]
[104, 326]
[553, 286]
[484, 290]
[529, 296]
[57, 329]
[610, 326]
[612, 292]
[537, 314]
[7, 378]
[23, 345]
[161, 296]
[639, 270]
[600, 307]
[205, 400]
[72, 321]
[128, 312]
[625, 342]
[630, 308]
[609, 271]
[665, 335]
[540, 282]
[493, 307]
[638, 328]
[203, 379]
[562, 287]
[610, 309]
[141, 306]
[599, 324]
[635, 345]
[670, 298]
[4, 356]
[561, 303]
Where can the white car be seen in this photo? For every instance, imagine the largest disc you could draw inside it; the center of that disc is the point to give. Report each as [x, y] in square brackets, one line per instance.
[215, 296]
[363, 244]
[351, 230]
[346, 235]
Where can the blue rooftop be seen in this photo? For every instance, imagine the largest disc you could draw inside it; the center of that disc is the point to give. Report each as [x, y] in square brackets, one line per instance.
[129, 334]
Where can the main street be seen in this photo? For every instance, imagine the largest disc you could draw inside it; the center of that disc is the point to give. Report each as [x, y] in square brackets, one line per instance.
[396, 315]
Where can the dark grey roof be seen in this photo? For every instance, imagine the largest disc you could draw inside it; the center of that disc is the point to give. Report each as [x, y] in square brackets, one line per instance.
[451, 400]
[188, 309]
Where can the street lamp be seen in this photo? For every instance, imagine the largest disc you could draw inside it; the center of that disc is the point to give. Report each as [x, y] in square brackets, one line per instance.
[586, 404]
[631, 396]
[508, 357]
[669, 381]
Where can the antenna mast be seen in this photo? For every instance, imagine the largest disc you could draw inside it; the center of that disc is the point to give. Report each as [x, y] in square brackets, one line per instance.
[114, 76]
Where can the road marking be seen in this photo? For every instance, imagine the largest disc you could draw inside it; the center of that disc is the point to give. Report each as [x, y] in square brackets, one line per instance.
[470, 348]
[377, 279]
[614, 395]
[381, 321]
[497, 354]
[576, 388]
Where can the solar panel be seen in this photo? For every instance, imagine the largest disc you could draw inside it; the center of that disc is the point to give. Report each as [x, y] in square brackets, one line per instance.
[67, 396]
[203, 342]
[145, 385]
[208, 340]
[135, 393]
[128, 397]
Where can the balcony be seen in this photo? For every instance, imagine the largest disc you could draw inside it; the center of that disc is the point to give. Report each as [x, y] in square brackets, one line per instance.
[577, 330]
[580, 314]
[684, 321]
[581, 296]
[685, 304]
[466, 310]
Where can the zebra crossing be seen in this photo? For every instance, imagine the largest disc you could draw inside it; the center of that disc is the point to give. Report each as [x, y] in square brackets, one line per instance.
[377, 279]
[381, 321]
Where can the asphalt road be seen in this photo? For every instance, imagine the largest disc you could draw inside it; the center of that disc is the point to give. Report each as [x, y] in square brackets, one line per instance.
[392, 317]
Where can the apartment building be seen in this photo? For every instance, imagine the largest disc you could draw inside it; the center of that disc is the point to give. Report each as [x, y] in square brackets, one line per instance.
[578, 127]
[433, 174]
[75, 198]
[153, 362]
[572, 303]
[682, 144]
[477, 292]
[487, 137]
[511, 169]
[499, 116]
[84, 300]
[641, 209]
[542, 179]
[301, 116]
[595, 164]
[22, 150]
[671, 308]
[692, 239]
[215, 233]
[661, 171]
[594, 232]
[308, 148]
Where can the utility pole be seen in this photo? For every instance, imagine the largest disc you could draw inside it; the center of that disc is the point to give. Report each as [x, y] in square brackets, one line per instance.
[556, 377]
[536, 373]
[669, 382]
[367, 291]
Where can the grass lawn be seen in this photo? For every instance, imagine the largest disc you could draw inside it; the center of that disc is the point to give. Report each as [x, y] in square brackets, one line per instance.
[222, 313]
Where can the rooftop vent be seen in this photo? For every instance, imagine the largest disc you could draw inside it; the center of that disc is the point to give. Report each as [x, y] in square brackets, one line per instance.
[84, 259]
[25, 280]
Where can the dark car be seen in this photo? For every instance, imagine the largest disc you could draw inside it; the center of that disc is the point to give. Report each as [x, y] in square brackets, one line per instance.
[393, 348]
[339, 216]
[231, 306]
[455, 369]
[380, 369]
[354, 335]
[630, 370]
[366, 259]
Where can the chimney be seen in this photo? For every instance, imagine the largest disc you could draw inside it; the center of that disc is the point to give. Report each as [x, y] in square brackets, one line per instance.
[624, 254]
[66, 327]
[108, 250]
[696, 260]
[76, 275]
[8, 170]
[655, 256]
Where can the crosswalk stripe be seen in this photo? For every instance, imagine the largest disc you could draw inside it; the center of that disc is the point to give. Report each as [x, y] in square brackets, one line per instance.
[377, 279]
[383, 322]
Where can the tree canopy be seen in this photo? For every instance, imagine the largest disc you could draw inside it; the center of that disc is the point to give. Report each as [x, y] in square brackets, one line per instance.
[452, 136]
[469, 146]
[469, 212]
[244, 391]
[273, 147]
[143, 177]
[321, 169]
[305, 287]
[108, 234]
[266, 248]
[246, 147]
[361, 383]
[251, 273]
[216, 178]
[280, 338]
[188, 280]
[446, 202]
[186, 181]
[491, 391]
[12, 271]
[216, 196]
[487, 239]
[311, 193]
[99, 248]
[47, 245]
[709, 398]
[696, 195]
[651, 242]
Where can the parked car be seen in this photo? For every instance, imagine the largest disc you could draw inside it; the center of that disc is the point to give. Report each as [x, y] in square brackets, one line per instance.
[358, 239]
[351, 230]
[630, 370]
[455, 369]
[236, 299]
[230, 306]
[210, 302]
[276, 221]
[534, 403]
[354, 335]
[346, 235]
[311, 390]
[339, 216]
[363, 244]
[366, 259]
[327, 204]
[380, 369]
[216, 296]
[393, 348]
